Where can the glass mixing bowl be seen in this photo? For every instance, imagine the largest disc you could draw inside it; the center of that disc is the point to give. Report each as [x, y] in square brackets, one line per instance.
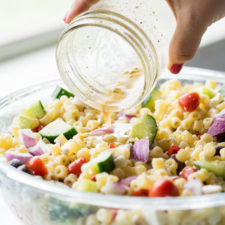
[38, 202]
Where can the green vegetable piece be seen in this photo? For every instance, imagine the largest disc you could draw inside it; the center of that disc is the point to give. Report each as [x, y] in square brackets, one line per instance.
[222, 91]
[208, 91]
[105, 162]
[67, 212]
[87, 185]
[36, 110]
[27, 122]
[217, 167]
[59, 91]
[205, 91]
[56, 128]
[146, 126]
[149, 102]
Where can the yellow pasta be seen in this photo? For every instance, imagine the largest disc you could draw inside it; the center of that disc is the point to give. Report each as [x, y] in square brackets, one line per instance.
[181, 142]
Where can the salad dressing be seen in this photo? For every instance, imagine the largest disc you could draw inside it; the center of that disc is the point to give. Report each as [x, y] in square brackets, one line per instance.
[111, 56]
[116, 94]
[107, 118]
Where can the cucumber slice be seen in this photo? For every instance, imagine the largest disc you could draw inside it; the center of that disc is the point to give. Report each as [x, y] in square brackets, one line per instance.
[27, 122]
[217, 167]
[146, 126]
[56, 128]
[87, 185]
[208, 91]
[105, 162]
[222, 91]
[149, 102]
[59, 91]
[205, 91]
[36, 110]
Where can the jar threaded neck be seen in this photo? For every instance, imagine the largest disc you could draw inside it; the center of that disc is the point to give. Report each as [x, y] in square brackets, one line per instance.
[105, 26]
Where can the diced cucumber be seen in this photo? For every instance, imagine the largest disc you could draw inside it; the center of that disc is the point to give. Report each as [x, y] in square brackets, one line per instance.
[105, 162]
[146, 126]
[36, 110]
[205, 91]
[56, 128]
[25, 122]
[29, 116]
[222, 91]
[87, 185]
[59, 91]
[217, 167]
[149, 102]
[208, 91]
[66, 212]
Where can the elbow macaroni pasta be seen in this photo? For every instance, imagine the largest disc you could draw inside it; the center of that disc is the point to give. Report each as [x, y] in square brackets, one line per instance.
[176, 127]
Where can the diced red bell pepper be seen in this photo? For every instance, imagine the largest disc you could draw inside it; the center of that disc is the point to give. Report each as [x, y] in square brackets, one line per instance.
[75, 167]
[37, 166]
[37, 129]
[141, 192]
[173, 150]
[199, 136]
[111, 145]
[93, 178]
[163, 188]
[187, 171]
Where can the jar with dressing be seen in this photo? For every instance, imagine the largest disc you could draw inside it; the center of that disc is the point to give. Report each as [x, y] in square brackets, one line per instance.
[112, 55]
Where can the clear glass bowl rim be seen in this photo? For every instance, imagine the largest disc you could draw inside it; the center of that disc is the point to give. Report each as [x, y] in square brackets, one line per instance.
[111, 201]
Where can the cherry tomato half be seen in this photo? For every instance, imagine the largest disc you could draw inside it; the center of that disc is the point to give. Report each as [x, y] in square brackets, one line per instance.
[141, 192]
[189, 102]
[37, 129]
[173, 150]
[186, 172]
[37, 166]
[75, 167]
[163, 188]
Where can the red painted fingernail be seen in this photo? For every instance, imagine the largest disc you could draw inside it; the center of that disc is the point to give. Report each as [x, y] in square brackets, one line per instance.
[176, 68]
[65, 17]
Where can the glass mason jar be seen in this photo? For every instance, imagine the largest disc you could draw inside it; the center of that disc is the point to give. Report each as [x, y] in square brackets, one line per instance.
[112, 55]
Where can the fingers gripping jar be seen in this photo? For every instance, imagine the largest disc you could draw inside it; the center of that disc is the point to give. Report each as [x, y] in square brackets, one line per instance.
[111, 56]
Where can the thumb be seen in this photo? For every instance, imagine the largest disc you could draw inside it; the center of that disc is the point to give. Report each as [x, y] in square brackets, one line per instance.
[78, 7]
[185, 42]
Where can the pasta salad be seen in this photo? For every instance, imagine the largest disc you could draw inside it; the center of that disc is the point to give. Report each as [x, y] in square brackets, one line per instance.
[171, 145]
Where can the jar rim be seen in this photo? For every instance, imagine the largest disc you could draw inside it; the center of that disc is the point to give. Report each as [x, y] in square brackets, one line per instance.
[131, 33]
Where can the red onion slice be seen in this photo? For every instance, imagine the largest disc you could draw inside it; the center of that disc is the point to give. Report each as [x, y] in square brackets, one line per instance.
[102, 131]
[36, 150]
[218, 126]
[39, 149]
[128, 180]
[141, 150]
[127, 116]
[23, 157]
[27, 138]
[118, 188]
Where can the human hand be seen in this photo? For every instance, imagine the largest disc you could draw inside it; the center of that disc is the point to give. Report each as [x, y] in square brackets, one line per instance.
[78, 7]
[193, 18]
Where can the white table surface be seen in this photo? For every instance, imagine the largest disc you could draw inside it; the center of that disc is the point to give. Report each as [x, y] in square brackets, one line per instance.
[40, 65]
